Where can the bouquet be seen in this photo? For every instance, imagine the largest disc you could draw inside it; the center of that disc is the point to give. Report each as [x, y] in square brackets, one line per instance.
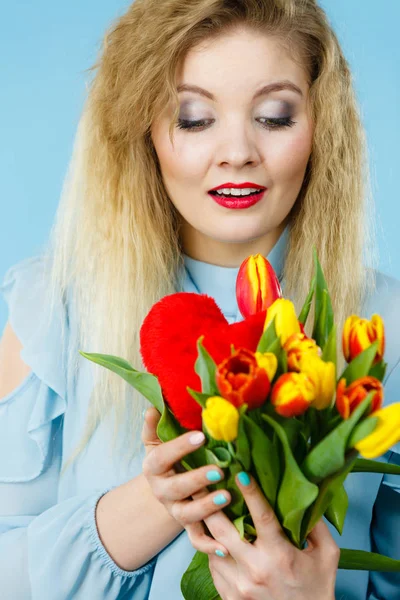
[270, 402]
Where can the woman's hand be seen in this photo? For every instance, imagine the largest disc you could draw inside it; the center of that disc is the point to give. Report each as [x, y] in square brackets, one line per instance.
[271, 568]
[175, 490]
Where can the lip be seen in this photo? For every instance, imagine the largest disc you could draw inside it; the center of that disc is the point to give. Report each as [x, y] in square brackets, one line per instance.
[238, 202]
[246, 184]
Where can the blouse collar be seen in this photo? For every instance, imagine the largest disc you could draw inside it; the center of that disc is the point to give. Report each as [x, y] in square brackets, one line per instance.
[220, 282]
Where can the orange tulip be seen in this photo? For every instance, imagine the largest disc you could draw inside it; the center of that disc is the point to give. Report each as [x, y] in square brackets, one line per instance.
[323, 376]
[292, 394]
[296, 347]
[359, 334]
[257, 285]
[348, 398]
[241, 381]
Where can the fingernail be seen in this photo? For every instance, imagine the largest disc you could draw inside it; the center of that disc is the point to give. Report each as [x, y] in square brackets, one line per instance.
[197, 438]
[244, 479]
[213, 476]
[220, 499]
[220, 553]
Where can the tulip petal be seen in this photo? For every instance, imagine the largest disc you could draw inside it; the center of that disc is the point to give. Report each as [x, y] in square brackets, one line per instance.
[385, 434]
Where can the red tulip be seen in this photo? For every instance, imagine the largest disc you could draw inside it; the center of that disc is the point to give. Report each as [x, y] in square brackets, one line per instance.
[348, 398]
[257, 285]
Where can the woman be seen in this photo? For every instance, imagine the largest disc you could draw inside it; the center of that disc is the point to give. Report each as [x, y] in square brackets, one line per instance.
[271, 106]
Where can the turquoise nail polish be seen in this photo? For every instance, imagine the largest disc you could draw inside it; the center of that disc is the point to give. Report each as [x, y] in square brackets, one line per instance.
[244, 478]
[220, 499]
[213, 476]
[220, 553]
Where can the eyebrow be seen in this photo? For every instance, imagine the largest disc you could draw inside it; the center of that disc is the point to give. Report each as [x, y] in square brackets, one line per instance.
[276, 86]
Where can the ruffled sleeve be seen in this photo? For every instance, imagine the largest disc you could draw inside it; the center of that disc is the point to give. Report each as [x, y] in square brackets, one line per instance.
[49, 550]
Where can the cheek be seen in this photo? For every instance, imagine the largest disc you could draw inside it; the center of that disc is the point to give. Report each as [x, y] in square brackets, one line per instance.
[288, 158]
[185, 162]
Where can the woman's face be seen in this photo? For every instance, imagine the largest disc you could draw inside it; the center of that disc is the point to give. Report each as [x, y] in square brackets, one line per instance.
[240, 134]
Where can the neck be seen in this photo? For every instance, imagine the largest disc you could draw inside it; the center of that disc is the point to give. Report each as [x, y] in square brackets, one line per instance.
[225, 254]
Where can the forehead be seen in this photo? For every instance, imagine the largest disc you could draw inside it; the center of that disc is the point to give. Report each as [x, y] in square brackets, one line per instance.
[239, 60]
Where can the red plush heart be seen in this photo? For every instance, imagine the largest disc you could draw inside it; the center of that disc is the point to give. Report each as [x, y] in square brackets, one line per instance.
[168, 340]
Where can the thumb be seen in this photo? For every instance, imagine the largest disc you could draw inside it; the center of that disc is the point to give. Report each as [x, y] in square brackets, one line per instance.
[149, 431]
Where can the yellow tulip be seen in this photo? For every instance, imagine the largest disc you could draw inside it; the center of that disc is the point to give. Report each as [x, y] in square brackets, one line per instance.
[221, 419]
[286, 322]
[297, 346]
[385, 434]
[268, 362]
[323, 376]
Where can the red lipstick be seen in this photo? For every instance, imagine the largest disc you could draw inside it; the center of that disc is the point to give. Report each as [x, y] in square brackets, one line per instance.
[238, 202]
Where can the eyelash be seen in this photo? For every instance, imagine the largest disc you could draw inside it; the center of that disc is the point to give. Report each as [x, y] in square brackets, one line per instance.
[277, 123]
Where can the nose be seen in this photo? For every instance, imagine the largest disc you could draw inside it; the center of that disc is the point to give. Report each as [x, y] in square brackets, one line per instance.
[237, 147]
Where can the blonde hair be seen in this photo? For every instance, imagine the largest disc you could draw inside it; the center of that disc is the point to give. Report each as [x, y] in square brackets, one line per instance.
[115, 248]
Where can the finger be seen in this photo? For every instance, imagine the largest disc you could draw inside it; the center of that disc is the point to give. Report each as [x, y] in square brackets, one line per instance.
[320, 540]
[203, 542]
[149, 431]
[191, 511]
[164, 456]
[189, 483]
[224, 532]
[265, 521]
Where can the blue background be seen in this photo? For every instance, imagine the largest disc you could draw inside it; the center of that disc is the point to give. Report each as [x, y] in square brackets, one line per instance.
[45, 48]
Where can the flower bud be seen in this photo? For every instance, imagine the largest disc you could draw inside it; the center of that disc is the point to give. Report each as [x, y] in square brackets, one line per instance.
[348, 398]
[385, 434]
[359, 334]
[286, 322]
[292, 394]
[241, 381]
[257, 285]
[221, 419]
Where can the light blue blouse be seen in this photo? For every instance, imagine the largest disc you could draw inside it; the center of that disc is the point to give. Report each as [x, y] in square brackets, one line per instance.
[49, 545]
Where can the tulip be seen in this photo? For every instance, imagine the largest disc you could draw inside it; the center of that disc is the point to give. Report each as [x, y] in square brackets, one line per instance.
[268, 362]
[323, 376]
[385, 434]
[257, 285]
[221, 419]
[292, 394]
[348, 398]
[286, 322]
[359, 334]
[296, 347]
[241, 381]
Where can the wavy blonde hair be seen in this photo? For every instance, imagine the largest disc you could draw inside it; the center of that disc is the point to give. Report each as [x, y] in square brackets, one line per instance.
[115, 248]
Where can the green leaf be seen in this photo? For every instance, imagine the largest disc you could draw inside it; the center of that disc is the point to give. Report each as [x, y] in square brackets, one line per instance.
[307, 304]
[329, 352]
[360, 560]
[239, 524]
[197, 583]
[168, 427]
[363, 465]
[237, 504]
[378, 370]
[268, 339]
[336, 511]
[205, 368]
[243, 451]
[218, 456]
[145, 383]
[323, 320]
[361, 430]
[328, 455]
[296, 493]
[199, 396]
[360, 365]
[265, 460]
[327, 491]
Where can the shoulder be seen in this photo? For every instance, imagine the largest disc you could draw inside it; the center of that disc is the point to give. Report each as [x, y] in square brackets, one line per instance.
[40, 326]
